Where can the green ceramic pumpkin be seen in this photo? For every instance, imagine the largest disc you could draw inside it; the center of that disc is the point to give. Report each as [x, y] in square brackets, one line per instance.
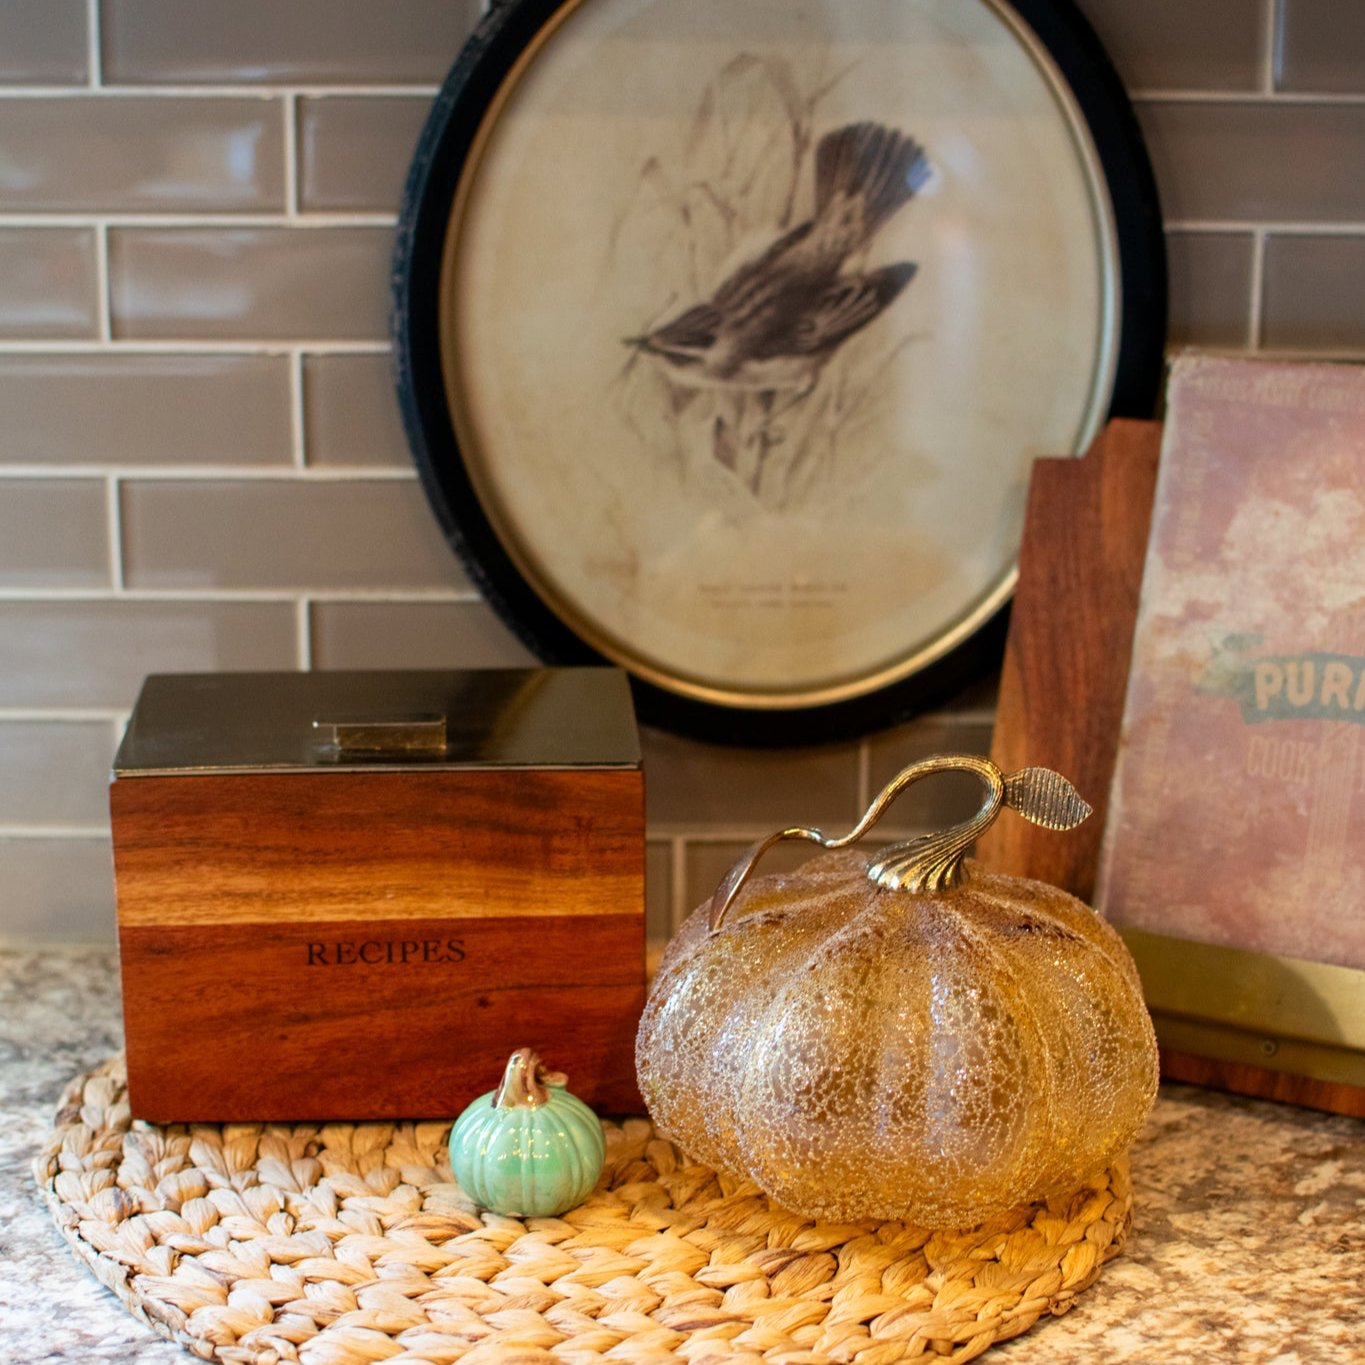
[528, 1149]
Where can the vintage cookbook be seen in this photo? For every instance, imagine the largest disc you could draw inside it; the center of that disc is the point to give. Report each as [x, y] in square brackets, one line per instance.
[1237, 815]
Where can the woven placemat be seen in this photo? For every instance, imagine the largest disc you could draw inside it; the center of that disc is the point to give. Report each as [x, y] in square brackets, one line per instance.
[339, 1244]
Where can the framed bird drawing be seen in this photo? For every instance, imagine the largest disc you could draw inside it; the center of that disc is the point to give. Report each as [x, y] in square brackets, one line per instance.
[727, 331]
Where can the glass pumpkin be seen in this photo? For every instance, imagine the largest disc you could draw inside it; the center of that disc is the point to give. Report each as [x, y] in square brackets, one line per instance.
[918, 1039]
[528, 1149]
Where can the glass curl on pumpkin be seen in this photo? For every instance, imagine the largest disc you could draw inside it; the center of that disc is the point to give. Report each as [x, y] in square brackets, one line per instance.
[917, 1038]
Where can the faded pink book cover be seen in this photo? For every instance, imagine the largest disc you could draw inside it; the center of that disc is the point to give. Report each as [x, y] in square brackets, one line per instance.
[1237, 815]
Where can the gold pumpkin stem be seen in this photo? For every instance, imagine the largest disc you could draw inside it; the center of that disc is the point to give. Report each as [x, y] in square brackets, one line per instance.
[932, 862]
[525, 1081]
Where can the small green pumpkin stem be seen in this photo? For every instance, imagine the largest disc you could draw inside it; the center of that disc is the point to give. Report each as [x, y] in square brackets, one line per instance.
[525, 1081]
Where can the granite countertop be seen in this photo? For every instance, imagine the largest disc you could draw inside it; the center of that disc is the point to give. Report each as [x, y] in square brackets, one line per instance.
[1248, 1242]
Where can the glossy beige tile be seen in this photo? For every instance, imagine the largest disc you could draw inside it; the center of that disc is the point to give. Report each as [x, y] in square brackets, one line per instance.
[354, 150]
[55, 772]
[1314, 297]
[54, 533]
[43, 42]
[302, 41]
[350, 411]
[93, 153]
[1256, 160]
[57, 890]
[1321, 47]
[935, 802]
[73, 653]
[413, 635]
[295, 534]
[1179, 45]
[658, 890]
[1210, 287]
[48, 283]
[145, 409]
[250, 283]
[692, 785]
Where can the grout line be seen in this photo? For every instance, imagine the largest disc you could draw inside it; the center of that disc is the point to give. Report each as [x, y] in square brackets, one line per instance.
[251, 90]
[74, 715]
[1255, 315]
[677, 883]
[284, 473]
[54, 831]
[1286, 228]
[104, 304]
[1256, 96]
[170, 346]
[216, 221]
[324, 221]
[1271, 37]
[94, 57]
[303, 632]
[291, 156]
[284, 596]
[114, 521]
[298, 438]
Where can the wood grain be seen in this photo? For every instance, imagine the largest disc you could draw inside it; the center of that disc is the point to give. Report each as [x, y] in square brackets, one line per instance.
[1063, 684]
[1261, 1081]
[258, 848]
[1070, 641]
[347, 1020]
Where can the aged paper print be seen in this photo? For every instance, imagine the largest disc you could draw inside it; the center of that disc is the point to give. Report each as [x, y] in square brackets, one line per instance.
[1238, 809]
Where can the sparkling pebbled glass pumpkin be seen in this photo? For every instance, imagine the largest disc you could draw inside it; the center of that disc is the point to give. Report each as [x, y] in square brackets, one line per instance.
[920, 1039]
[529, 1148]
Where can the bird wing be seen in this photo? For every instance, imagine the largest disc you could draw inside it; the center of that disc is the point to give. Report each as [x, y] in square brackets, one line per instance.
[737, 289]
[816, 323]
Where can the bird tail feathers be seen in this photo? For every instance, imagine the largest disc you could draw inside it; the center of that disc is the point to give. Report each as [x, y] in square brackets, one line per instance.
[868, 160]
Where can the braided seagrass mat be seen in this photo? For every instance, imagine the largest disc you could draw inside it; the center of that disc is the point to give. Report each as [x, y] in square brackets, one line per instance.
[341, 1244]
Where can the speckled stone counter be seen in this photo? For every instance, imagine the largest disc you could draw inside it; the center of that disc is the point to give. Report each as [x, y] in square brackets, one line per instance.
[1248, 1244]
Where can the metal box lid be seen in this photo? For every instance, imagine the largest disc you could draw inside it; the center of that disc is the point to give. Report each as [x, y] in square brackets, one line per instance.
[191, 723]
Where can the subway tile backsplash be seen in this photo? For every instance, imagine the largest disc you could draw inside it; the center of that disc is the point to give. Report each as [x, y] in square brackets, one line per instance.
[354, 150]
[421, 634]
[148, 409]
[43, 42]
[202, 464]
[1322, 47]
[286, 534]
[1184, 44]
[306, 42]
[56, 773]
[350, 412]
[1210, 287]
[1315, 293]
[58, 888]
[80, 654]
[273, 283]
[54, 533]
[48, 283]
[1251, 160]
[136, 154]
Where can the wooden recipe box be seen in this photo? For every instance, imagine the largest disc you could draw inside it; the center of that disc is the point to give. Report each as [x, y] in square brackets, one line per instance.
[352, 895]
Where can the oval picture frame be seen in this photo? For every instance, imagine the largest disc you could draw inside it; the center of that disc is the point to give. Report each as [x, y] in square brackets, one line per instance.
[725, 334]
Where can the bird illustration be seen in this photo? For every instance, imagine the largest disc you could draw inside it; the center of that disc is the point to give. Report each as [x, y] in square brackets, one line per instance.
[774, 322]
